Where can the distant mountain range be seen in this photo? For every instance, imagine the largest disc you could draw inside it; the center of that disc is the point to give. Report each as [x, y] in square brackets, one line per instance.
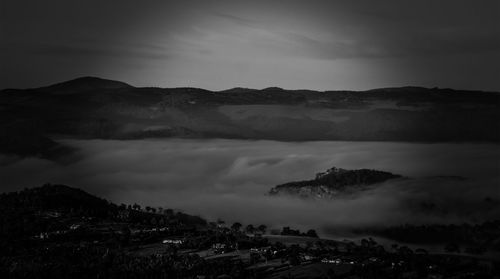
[332, 183]
[91, 107]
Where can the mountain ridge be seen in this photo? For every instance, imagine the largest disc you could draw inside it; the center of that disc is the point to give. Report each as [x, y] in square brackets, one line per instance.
[97, 82]
[94, 108]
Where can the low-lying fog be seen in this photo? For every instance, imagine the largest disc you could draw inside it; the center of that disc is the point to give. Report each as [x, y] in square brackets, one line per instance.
[229, 179]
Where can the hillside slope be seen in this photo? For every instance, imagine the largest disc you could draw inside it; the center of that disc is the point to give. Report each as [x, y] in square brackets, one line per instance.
[333, 182]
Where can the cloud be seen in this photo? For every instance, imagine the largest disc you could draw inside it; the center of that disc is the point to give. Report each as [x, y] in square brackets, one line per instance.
[121, 51]
[238, 20]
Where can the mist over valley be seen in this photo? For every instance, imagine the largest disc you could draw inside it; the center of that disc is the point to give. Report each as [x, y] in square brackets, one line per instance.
[230, 179]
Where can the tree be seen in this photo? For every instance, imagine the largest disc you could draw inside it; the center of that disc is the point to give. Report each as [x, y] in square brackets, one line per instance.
[312, 233]
[169, 212]
[212, 225]
[220, 222]
[136, 206]
[250, 228]
[395, 247]
[148, 208]
[236, 226]
[262, 229]
[404, 251]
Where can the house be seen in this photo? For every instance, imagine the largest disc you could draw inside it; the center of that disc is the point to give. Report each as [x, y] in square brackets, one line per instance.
[75, 226]
[173, 241]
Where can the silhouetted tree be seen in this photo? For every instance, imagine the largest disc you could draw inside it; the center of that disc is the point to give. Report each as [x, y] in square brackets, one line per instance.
[250, 228]
[169, 212]
[136, 206]
[220, 222]
[236, 226]
[312, 233]
[262, 228]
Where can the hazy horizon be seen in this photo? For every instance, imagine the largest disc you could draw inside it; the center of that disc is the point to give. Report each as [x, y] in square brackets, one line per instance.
[235, 87]
[216, 45]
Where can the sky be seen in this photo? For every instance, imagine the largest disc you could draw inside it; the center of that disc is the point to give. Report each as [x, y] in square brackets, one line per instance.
[216, 45]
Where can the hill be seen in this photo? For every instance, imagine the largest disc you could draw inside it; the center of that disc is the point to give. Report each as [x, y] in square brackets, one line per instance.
[332, 183]
[86, 84]
[57, 207]
[54, 198]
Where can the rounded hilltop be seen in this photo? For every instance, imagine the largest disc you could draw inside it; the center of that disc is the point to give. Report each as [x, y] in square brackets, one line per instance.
[333, 182]
[88, 83]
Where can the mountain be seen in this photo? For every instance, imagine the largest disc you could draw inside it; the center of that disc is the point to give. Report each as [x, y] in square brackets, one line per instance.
[86, 84]
[91, 107]
[333, 182]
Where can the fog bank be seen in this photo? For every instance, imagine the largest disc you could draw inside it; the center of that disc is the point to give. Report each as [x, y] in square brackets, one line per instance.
[228, 179]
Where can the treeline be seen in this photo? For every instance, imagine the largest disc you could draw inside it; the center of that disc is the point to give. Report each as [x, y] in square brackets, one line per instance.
[289, 231]
[476, 238]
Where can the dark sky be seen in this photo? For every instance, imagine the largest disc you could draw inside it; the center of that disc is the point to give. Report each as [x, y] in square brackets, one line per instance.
[217, 45]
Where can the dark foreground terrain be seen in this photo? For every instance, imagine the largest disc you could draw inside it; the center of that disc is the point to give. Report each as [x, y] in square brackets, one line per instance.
[57, 231]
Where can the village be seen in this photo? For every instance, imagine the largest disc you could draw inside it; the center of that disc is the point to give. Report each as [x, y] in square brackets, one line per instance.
[57, 231]
[246, 251]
